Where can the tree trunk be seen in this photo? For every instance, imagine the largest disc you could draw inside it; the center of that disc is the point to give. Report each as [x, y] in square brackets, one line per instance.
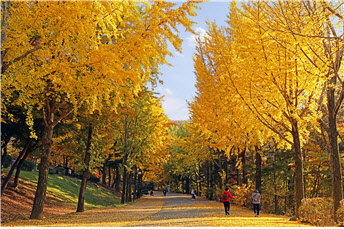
[243, 160]
[129, 187]
[19, 167]
[104, 175]
[135, 183]
[9, 175]
[208, 175]
[118, 179]
[38, 203]
[139, 177]
[337, 182]
[299, 185]
[66, 166]
[4, 148]
[211, 174]
[110, 176]
[258, 171]
[123, 200]
[187, 188]
[226, 169]
[81, 201]
[5, 11]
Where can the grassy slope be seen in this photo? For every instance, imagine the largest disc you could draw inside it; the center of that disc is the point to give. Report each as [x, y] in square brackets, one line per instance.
[67, 189]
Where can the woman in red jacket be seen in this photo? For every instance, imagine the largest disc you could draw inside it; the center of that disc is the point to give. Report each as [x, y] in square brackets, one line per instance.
[225, 199]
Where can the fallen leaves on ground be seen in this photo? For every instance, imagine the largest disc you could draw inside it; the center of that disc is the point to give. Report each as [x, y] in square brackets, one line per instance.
[173, 210]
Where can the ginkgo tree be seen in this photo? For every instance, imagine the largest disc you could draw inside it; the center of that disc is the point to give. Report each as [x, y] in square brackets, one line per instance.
[89, 51]
[141, 128]
[264, 75]
[317, 30]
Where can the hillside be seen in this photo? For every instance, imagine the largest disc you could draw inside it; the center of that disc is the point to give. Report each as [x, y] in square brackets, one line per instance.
[62, 197]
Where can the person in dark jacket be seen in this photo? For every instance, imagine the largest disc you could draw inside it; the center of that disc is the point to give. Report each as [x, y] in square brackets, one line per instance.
[225, 199]
[256, 202]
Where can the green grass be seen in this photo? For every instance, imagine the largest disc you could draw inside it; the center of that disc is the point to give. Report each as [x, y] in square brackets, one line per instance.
[67, 189]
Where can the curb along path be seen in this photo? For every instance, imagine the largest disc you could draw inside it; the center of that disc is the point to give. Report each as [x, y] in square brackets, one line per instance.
[173, 210]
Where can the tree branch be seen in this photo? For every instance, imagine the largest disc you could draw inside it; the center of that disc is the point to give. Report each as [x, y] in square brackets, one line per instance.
[6, 66]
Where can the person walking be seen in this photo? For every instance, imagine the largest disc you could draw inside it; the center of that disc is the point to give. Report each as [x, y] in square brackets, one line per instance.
[225, 199]
[193, 194]
[256, 202]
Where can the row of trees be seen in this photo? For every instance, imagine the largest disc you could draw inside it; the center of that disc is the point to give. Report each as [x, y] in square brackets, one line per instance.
[76, 73]
[194, 164]
[271, 80]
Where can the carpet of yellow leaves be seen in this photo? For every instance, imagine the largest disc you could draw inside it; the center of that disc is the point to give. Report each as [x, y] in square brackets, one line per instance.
[173, 210]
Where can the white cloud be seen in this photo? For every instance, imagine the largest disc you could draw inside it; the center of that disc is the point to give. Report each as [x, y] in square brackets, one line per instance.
[175, 108]
[164, 90]
[179, 54]
[200, 33]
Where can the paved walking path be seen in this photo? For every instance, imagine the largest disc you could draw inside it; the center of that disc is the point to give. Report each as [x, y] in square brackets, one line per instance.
[173, 210]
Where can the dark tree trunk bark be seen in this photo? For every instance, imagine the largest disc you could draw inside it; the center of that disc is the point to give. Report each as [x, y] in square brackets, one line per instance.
[123, 199]
[258, 171]
[208, 175]
[10, 173]
[66, 166]
[299, 185]
[4, 148]
[129, 187]
[19, 167]
[139, 177]
[211, 174]
[118, 179]
[104, 175]
[337, 181]
[135, 183]
[110, 176]
[243, 160]
[38, 203]
[47, 141]
[5, 11]
[81, 201]
[226, 168]
[187, 184]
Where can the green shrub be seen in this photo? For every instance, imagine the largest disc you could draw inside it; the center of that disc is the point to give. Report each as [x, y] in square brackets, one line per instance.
[145, 191]
[210, 193]
[60, 170]
[7, 161]
[340, 212]
[28, 165]
[317, 211]
[94, 179]
[52, 170]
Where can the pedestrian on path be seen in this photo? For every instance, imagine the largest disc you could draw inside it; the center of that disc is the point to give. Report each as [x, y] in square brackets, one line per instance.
[256, 202]
[193, 194]
[225, 199]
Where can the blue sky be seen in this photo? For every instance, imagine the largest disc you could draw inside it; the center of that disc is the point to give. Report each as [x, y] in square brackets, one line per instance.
[179, 80]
